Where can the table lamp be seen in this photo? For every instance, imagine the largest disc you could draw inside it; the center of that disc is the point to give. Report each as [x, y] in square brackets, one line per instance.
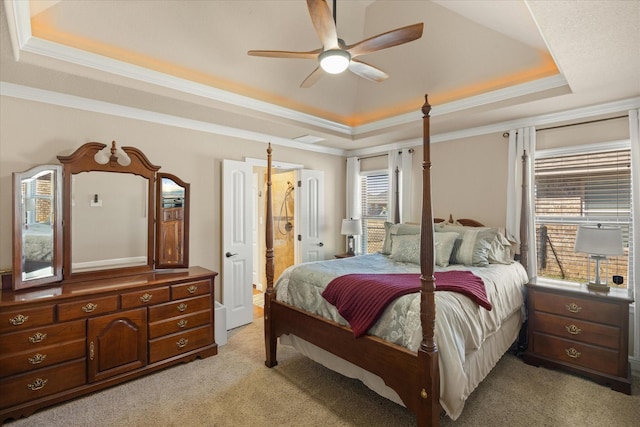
[351, 227]
[599, 242]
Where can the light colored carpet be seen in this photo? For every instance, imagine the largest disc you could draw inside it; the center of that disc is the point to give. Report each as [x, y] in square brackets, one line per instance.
[234, 388]
[258, 300]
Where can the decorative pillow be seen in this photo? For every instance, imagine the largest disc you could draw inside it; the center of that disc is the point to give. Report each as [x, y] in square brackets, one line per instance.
[474, 248]
[391, 229]
[406, 248]
[500, 250]
[444, 243]
[386, 243]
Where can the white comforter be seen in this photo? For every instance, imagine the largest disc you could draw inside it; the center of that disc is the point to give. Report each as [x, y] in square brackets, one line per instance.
[461, 325]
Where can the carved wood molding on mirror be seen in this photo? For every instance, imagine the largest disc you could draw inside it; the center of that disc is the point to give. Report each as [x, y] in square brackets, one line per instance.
[96, 217]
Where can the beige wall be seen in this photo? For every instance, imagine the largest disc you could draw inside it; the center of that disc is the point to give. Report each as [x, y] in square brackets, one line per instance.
[469, 179]
[35, 133]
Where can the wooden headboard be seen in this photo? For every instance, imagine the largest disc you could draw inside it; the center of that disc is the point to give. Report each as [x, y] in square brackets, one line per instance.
[462, 221]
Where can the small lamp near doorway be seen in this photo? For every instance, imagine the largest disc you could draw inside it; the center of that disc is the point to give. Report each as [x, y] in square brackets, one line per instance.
[599, 242]
[351, 227]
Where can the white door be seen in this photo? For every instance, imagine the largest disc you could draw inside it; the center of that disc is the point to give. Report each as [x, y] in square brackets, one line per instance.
[311, 215]
[237, 241]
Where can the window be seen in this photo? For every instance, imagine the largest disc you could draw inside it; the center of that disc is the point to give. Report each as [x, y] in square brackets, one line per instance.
[375, 201]
[585, 186]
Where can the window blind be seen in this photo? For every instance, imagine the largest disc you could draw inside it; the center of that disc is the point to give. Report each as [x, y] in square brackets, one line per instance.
[583, 188]
[375, 190]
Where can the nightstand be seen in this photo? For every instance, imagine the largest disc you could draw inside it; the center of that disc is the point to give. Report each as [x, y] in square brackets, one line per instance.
[580, 331]
[344, 255]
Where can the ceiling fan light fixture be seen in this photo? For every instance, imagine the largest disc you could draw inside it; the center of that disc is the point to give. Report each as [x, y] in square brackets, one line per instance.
[334, 61]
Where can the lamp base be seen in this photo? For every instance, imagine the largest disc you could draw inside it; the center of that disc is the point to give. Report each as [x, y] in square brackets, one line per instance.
[598, 287]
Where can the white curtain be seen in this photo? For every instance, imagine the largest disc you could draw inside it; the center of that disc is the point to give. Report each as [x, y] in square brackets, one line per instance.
[402, 160]
[634, 237]
[353, 203]
[520, 141]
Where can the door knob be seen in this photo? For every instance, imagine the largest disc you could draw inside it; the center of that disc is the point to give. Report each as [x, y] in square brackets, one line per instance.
[321, 244]
[229, 254]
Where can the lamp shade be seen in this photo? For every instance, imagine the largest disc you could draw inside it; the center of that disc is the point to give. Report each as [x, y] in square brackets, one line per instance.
[351, 227]
[598, 240]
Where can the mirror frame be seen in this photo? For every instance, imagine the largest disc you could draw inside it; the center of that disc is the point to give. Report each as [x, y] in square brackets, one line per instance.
[56, 205]
[185, 221]
[83, 160]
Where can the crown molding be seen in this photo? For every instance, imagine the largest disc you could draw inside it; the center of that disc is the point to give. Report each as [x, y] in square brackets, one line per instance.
[86, 104]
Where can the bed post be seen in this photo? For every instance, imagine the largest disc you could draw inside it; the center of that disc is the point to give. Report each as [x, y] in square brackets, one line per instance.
[428, 413]
[269, 334]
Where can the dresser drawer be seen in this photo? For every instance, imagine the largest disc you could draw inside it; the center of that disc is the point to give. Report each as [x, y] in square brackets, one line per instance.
[576, 353]
[190, 289]
[577, 308]
[36, 338]
[87, 307]
[177, 324]
[15, 363]
[41, 383]
[578, 330]
[173, 345]
[178, 308]
[143, 298]
[22, 319]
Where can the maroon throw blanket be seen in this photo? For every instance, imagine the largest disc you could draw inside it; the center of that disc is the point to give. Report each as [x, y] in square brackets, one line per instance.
[361, 298]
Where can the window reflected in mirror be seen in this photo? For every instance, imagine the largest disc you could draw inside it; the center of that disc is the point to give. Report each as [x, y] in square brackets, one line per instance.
[37, 228]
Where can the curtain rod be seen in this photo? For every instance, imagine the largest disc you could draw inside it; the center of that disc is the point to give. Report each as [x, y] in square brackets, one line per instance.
[382, 155]
[582, 123]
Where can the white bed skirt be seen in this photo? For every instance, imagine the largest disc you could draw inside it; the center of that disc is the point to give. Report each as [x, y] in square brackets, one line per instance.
[477, 365]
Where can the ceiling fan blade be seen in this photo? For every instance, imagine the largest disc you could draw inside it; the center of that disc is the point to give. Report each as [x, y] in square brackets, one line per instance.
[367, 71]
[323, 23]
[313, 54]
[385, 40]
[312, 78]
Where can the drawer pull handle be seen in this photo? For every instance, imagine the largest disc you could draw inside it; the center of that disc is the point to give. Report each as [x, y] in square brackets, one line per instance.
[92, 351]
[574, 308]
[18, 320]
[182, 343]
[192, 289]
[573, 329]
[37, 337]
[89, 307]
[182, 307]
[146, 298]
[572, 353]
[182, 323]
[37, 384]
[37, 358]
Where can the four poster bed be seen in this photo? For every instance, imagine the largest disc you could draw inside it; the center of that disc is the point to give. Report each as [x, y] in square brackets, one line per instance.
[392, 349]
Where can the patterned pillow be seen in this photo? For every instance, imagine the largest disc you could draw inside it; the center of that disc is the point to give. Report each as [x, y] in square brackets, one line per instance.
[406, 248]
[444, 242]
[475, 245]
[391, 229]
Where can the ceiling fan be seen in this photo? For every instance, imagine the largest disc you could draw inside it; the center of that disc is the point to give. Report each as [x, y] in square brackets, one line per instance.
[335, 56]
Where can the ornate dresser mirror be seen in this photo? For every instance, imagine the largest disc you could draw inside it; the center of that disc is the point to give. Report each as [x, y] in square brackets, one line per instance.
[98, 215]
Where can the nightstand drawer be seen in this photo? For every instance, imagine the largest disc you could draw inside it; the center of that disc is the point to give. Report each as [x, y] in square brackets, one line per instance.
[577, 308]
[575, 353]
[578, 330]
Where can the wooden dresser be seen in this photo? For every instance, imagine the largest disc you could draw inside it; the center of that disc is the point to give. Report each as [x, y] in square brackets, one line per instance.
[580, 331]
[67, 340]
